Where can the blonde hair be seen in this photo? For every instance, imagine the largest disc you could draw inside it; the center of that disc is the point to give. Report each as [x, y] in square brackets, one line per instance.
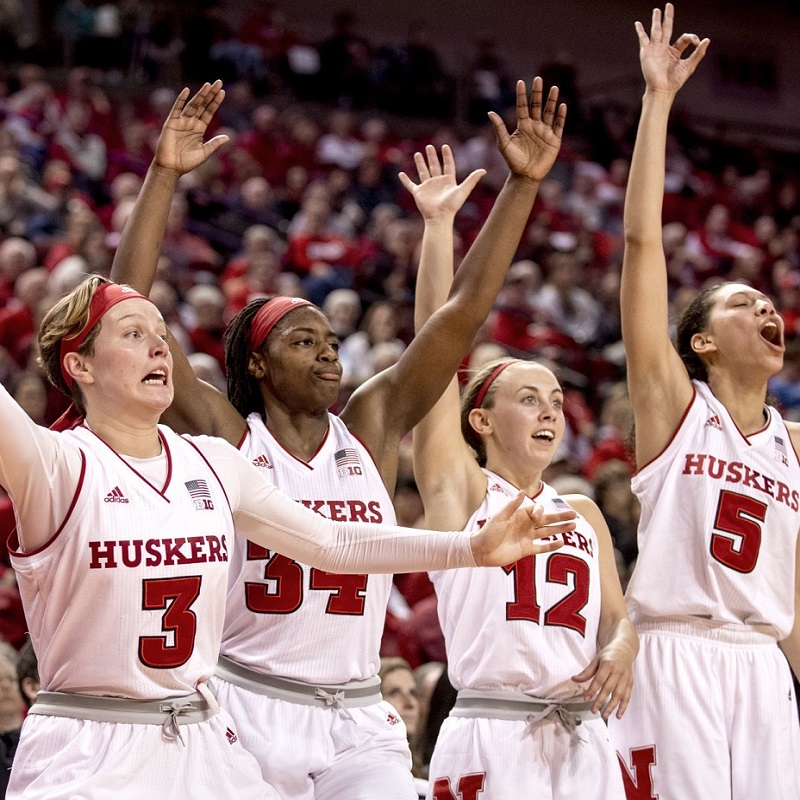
[65, 320]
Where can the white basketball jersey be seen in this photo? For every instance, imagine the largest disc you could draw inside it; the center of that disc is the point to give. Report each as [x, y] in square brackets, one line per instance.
[528, 626]
[285, 618]
[719, 522]
[127, 598]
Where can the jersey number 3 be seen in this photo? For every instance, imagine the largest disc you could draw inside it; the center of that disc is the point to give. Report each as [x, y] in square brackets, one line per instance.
[739, 520]
[283, 594]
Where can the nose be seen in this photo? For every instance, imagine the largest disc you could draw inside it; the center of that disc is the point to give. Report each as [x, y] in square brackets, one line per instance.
[764, 307]
[329, 354]
[160, 346]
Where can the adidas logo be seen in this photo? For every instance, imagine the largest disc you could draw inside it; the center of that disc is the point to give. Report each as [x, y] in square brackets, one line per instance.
[262, 461]
[115, 496]
[231, 736]
[714, 422]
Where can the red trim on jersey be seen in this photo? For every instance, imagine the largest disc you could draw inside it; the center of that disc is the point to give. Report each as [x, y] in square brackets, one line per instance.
[159, 492]
[246, 433]
[306, 464]
[213, 472]
[755, 433]
[789, 436]
[369, 452]
[671, 438]
[13, 539]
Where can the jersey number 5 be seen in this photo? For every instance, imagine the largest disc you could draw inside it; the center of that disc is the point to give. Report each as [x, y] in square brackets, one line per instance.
[284, 592]
[175, 596]
[739, 518]
[566, 613]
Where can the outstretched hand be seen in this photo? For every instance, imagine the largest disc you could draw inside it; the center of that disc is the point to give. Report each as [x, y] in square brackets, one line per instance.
[438, 194]
[531, 150]
[663, 65]
[180, 146]
[515, 532]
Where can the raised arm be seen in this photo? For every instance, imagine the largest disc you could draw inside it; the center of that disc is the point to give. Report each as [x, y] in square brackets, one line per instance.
[198, 407]
[389, 405]
[450, 482]
[659, 385]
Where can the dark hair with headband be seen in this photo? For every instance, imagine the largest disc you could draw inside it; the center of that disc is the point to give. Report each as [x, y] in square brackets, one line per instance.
[255, 321]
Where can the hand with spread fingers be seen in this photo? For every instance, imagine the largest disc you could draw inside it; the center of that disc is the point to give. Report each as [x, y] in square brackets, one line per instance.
[516, 532]
[531, 150]
[663, 65]
[180, 146]
[438, 194]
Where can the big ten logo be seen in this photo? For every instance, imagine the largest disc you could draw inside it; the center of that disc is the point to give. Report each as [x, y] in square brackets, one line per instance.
[204, 505]
[344, 472]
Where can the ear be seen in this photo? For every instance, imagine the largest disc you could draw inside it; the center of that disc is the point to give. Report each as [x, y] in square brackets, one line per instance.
[256, 366]
[76, 367]
[703, 343]
[479, 419]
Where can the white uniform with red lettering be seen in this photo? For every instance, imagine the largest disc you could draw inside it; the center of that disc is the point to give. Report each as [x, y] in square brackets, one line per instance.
[711, 595]
[141, 564]
[288, 620]
[523, 629]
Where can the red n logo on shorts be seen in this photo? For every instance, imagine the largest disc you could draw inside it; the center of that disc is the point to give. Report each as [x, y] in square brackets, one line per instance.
[469, 787]
[638, 781]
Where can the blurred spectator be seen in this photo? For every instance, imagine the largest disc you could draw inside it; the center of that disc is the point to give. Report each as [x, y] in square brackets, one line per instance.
[11, 712]
[345, 64]
[19, 320]
[20, 199]
[342, 307]
[490, 88]
[614, 496]
[206, 321]
[357, 351]
[340, 147]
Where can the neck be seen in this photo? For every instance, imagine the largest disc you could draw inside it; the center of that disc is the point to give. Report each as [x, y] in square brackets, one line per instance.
[744, 401]
[10, 721]
[139, 440]
[526, 481]
[300, 433]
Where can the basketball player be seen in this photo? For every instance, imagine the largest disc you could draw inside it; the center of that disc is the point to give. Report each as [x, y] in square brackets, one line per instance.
[540, 650]
[123, 544]
[301, 647]
[713, 594]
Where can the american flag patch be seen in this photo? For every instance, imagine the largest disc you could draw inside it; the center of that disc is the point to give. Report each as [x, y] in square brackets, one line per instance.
[198, 489]
[346, 456]
[780, 451]
[561, 505]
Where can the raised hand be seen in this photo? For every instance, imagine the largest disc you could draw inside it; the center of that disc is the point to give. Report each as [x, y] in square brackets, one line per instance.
[531, 150]
[515, 532]
[663, 65]
[180, 146]
[438, 194]
[611, 676]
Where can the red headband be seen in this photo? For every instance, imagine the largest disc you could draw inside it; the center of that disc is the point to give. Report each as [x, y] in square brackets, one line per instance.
[488, 382]
[105, 297]
[270, 314]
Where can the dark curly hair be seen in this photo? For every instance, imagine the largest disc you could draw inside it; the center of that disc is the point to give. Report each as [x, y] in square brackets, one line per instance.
[693, 320]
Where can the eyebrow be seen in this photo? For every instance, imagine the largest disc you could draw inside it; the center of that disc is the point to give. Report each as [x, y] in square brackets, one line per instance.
[754, 294]
[537, 390]
[330, 334]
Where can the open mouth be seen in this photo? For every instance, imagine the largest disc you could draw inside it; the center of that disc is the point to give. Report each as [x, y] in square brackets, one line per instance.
[157, 378]
[772, 332]
[544, 436]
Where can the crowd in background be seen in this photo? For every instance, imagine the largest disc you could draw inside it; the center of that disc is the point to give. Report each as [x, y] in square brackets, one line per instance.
[305, 201]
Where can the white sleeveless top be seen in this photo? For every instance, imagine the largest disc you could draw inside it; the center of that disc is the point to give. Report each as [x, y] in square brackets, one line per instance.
[527, 627]
[126, 598]
[284, 618]
[719, 522]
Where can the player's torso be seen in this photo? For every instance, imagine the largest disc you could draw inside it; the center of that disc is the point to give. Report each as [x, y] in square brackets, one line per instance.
[719, 522]
[528, 626]
[285, 618]
[128, 597]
